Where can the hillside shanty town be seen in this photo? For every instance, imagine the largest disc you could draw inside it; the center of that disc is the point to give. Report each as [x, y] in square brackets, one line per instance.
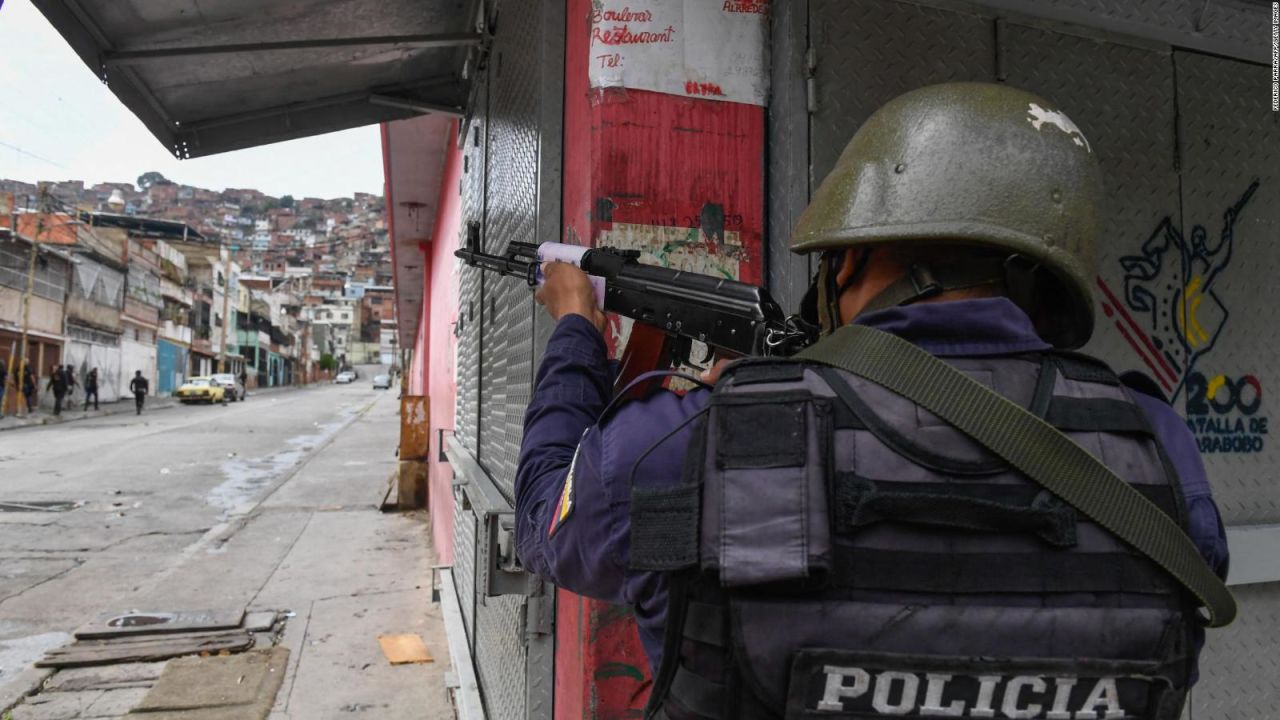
[178, 281]
[639, 359]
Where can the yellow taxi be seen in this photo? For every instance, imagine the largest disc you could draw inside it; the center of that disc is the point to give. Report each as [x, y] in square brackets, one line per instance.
[201, 389]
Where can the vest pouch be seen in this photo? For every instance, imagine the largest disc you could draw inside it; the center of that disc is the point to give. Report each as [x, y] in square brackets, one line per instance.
[765, 485]
[834, 658]
[840, 684]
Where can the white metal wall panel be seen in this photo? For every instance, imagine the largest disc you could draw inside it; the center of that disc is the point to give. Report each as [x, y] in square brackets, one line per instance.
[1122, 97]
[869, 51]
[1229, 141]
[470, 315]
[134, 356]
[464, 561]
[84, 356]
[511, 213]
[511, 191]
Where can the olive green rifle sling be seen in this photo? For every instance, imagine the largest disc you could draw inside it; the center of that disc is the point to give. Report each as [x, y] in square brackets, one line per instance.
[1031, 445]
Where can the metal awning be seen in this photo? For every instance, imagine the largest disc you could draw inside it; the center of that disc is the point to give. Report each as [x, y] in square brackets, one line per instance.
[208, 76]
[414, 153]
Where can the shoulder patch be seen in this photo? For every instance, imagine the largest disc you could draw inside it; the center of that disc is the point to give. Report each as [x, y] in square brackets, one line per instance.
[564, 506]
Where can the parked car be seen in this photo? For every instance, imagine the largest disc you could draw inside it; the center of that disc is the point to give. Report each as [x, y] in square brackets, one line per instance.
[201, 389]
[344, 377]
[381, 382]
[230, 383]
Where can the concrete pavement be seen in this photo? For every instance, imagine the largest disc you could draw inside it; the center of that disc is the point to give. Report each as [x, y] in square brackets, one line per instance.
[75, 411]
[268, 505]
[43, 416]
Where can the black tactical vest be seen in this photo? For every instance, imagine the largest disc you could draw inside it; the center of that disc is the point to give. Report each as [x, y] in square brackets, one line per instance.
[838, 552]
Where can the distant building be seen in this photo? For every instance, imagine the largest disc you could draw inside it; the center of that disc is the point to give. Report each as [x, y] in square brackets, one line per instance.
[45, 338]
[376, 306]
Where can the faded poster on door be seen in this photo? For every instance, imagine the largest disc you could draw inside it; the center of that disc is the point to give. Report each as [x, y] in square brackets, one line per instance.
[713, 49]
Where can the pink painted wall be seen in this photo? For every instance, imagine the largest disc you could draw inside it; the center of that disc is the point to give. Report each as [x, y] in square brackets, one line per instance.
[419, 370]
[440, 309]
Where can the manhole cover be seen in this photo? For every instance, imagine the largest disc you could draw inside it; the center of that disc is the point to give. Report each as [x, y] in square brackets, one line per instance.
[140, 620]
[38, 505]
[149, 622]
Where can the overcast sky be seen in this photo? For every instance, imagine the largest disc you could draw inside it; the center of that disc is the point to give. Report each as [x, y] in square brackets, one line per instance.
[58, 122]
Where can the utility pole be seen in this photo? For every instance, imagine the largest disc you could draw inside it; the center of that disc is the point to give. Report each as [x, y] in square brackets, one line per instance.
[10, 366]
[226, 301]
[41, 206]
[306, 352]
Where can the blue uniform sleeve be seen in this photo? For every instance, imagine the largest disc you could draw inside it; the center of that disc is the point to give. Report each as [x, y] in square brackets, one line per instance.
[573, 484]
[558, 475]
[1204, 524]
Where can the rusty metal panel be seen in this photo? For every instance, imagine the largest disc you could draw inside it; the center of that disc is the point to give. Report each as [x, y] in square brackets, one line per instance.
[870, 51]
[415, 427]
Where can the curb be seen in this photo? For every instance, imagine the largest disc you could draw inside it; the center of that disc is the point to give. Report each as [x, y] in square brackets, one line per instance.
[57, 420]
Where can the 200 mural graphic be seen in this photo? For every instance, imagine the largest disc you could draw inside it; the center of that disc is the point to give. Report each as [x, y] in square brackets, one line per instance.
[1172, 316]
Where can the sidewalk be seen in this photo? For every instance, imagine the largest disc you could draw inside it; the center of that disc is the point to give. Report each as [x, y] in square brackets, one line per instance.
[311, 546]
[44, 416]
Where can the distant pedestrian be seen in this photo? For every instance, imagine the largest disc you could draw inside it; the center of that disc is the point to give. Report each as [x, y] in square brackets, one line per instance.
[29, 387]
[91, 388]
[244, 384]
[138, 386]
[4, 384]
[70, 375]
[58, 384]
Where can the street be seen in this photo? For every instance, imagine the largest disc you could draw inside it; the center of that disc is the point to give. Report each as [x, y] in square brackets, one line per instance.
[268, 504]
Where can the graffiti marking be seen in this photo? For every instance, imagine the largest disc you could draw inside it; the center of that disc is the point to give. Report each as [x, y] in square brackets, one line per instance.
[1172, 317]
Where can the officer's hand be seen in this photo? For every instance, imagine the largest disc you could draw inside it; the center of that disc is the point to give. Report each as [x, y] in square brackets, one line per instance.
[566, 290]
[711, 375]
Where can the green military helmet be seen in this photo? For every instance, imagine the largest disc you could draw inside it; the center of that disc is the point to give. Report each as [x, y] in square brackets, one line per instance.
[971, 163]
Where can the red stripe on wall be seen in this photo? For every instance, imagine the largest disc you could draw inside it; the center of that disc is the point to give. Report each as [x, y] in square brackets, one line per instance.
[1170, 375]
[632, 156]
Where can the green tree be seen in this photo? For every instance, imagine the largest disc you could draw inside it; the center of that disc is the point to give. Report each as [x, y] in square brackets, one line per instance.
[327, 362]
[147, 179]
[286, 201]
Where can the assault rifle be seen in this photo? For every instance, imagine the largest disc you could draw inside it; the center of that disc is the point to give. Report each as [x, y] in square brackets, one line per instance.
[732, 318]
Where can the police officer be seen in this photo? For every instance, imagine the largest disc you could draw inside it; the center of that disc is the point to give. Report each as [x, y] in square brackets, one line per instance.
[58, 378]
[29, 387]
[852, 554]
[69, 372]
[91, 389]
[139, 387]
